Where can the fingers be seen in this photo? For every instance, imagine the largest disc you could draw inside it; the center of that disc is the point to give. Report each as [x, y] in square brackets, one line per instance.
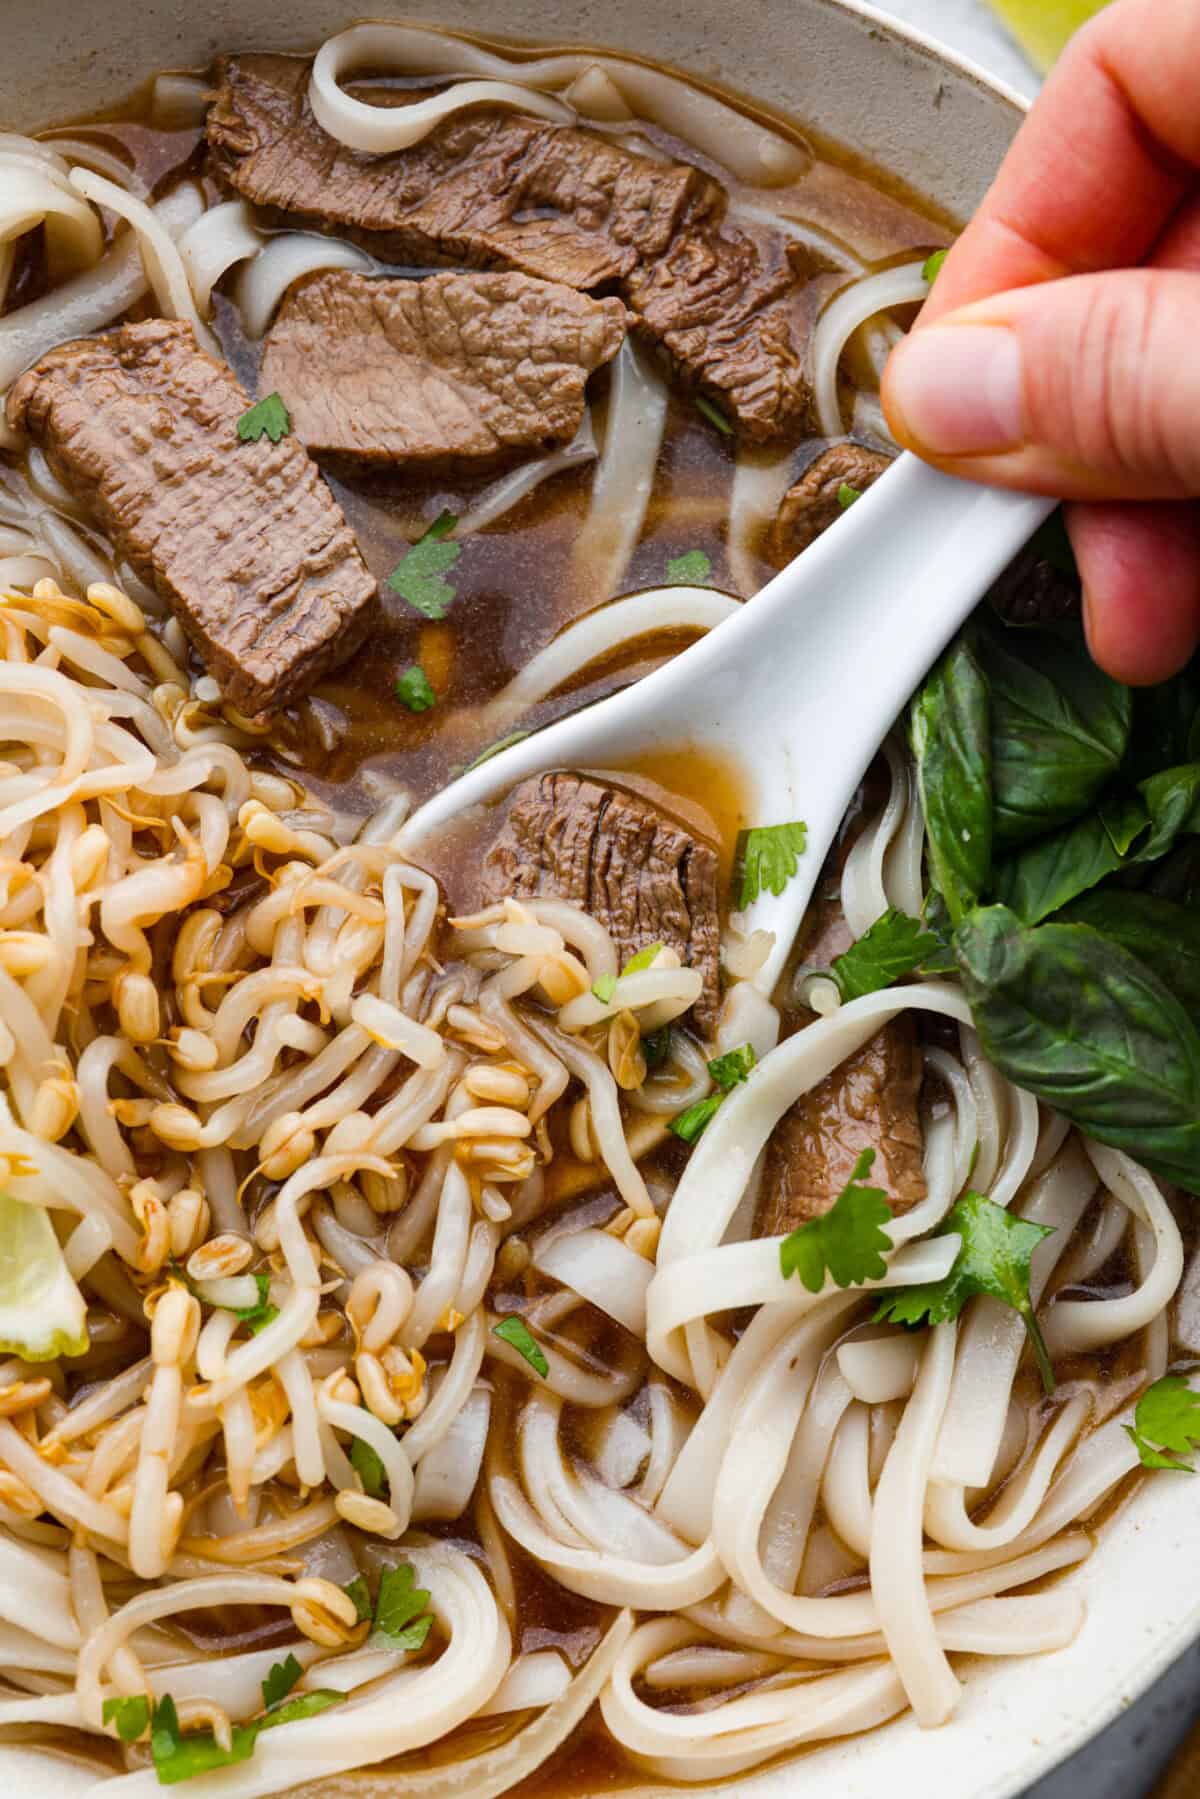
[1140, 567]
[1087, 388]
[1100, 164]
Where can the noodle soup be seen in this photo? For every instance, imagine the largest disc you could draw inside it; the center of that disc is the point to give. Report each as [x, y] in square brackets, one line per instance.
[461, 1333]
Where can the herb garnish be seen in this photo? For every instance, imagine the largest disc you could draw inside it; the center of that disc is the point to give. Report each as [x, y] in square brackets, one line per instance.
[516, 1333]
[712, 412]
[692, 569]
[847, 1242]
[402, 1616]
[419, 576]
[1166, 1425]
[728, 1071]
[280, 1680]
[893, 946]
[603, 988]
[656, 1047]
[846, 495]
[767, 858]
[933, 266]
[643, 959]
[130, 1715]
[414, 691]
[368, 1465]
[178, 1757]
[268, 418]
[358, 1590]
[994, 1260]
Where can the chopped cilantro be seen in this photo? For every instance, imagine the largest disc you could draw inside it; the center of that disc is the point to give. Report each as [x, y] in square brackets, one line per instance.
[280, 1681]
[366, 1463]
[712, 412]
[692, 569]
[494, 749]
[767, 859]
[517, 1334]
[414, 691]
[402, 1616]
[846, 495]
[894, 946]
[733, 1067]
[268, 418]
[696, 1119]
[1166, 1425]
[258, 1316]
[933, 266]
[994, 1260]
[604, 987]
[847, 1242]
[419, 576]
[304, 1705]
[358, 1590]
[643, 959]
[130, 1716]
[178, 1757]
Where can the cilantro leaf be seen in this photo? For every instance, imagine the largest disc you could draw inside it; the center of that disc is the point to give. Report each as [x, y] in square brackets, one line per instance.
[693, 1122]
[933, 266]
[1166, 1425]
[767, 858]
[994, 1260]
[131, 1716]
[494, 749]
[894, 946]
[418, 576]
[402, 1616]
[729, 1070]
[269, 418]
[643, 959]
[366, 1463]
[178, 1757]
[358, 1590]
[657, 1047]
[692, 569]
[517, 1334]
[847, 1241]
[709, 410]
[280, 1680]
[846, 495]
[414, 691]
[604, 987]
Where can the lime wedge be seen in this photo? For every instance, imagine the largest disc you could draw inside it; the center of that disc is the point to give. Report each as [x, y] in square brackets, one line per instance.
[42, 1311]
[1043, 26]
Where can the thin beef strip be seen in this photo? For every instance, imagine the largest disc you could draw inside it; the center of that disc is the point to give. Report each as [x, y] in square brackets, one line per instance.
[645, 877]
[727, 307]
[244, 540]
[454, 370]
[812, 505]
[869, 1102]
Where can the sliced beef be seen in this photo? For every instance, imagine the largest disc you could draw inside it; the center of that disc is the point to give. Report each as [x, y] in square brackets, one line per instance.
[244, 540]
[869, 1102]
[812, 505]
[487, 189]
[452, 370]
[620, 859]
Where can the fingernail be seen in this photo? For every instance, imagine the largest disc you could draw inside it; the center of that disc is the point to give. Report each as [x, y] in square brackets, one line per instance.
[956, 390]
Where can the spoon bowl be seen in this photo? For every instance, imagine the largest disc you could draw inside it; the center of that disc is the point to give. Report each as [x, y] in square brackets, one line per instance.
[800, 687]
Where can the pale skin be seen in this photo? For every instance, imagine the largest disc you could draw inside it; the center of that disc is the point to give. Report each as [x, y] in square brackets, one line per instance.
[1060, 349]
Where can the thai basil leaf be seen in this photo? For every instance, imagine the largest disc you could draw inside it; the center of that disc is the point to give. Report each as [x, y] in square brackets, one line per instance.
[1042, 877]
[1124, 816]
[1076, 1019]
[951, 733]
[1166, 724]
[1059, 731]
[1172, 799]
[1164, 936]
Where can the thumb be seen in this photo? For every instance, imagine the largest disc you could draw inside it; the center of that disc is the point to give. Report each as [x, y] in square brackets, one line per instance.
[1087, 388]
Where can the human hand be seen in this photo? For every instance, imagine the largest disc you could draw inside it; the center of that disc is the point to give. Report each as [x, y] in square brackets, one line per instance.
[1060, 349]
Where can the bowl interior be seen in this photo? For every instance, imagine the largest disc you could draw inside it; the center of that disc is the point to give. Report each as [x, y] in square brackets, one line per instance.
[896, 101]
